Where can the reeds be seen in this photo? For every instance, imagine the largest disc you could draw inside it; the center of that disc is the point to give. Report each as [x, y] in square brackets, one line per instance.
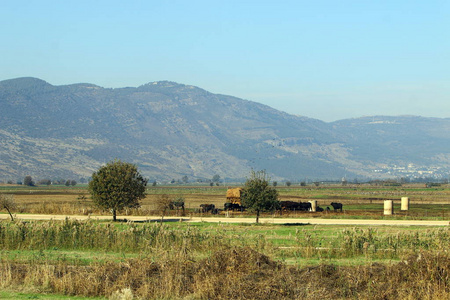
[91, 235]
[238, 273]
[191, 262]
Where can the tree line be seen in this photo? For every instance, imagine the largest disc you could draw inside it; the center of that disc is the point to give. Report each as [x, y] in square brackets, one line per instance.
[28, 181]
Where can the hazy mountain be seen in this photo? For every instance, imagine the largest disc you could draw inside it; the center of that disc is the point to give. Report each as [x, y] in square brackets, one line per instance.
[170, 130]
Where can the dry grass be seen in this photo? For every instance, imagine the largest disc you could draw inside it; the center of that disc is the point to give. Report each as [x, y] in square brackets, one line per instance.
[182, 261]
[238, 273]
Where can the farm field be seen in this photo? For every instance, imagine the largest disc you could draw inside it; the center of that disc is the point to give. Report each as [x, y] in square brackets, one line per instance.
[181, 260]
[360, 201]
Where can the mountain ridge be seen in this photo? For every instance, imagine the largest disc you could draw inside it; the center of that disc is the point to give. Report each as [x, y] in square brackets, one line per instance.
[170, 130]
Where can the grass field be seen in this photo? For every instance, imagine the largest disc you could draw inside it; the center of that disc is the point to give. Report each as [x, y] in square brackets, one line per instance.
[173, 260]
[363, 201]
[179, 260]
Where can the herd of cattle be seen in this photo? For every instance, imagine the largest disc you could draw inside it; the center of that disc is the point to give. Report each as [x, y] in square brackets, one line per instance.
[284, 206]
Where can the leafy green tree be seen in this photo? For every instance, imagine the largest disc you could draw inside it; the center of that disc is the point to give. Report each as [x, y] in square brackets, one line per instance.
[28, 180]
[45, 182]
[288, 183]
[216, 178]
[116, 186]
[257, 195]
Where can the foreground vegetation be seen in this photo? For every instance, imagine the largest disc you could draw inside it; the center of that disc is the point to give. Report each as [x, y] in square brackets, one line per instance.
[125, 260]
[225, 261]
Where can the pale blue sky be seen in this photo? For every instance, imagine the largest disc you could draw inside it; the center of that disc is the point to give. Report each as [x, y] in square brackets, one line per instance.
[323, 59]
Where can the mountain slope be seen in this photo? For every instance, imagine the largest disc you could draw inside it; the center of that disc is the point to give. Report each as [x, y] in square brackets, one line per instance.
[170, 130]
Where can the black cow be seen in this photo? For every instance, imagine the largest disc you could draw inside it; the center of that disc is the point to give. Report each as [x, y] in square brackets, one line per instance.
[232, 206]
[319, 209]
[288, 205]
[291, 205]
[305, 206]
[207, 208]
[336, 206]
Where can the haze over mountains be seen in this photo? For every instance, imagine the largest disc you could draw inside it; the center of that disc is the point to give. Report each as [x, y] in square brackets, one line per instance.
[170, 130]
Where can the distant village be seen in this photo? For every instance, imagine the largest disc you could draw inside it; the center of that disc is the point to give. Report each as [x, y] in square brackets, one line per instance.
[412, 172]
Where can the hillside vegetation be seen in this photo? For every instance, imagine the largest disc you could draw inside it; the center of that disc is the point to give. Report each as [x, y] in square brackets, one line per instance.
[171, 130]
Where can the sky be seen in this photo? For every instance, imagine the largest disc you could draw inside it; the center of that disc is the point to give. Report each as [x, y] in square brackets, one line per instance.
[322, 59]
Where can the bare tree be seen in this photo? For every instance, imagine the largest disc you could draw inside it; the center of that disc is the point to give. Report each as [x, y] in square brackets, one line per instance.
[7, 202]
[164, 203]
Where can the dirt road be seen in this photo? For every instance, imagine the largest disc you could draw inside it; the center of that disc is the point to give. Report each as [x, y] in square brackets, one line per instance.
[312, 221]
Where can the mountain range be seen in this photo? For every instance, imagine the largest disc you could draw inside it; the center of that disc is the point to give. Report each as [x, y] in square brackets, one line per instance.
[172, 130]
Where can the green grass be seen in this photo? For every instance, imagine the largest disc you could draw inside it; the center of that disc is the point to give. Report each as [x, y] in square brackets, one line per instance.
[72, 257]
[42, 296]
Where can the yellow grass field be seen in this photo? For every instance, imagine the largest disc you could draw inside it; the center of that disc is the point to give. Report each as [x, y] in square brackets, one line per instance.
[363, 200]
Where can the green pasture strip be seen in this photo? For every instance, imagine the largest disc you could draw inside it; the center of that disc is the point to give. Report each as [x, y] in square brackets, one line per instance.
[42, 296]
[58, 256]
[341, 262]
[323, 235]
[177, 190]
[43, 190]
[82, 242]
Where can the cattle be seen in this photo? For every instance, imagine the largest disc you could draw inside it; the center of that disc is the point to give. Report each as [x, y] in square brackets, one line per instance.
[288, 205]
[319, 209]
[232, 206]
[305, 206]
[336, 206]
[207, 208]
[177, 204]
[291, 205]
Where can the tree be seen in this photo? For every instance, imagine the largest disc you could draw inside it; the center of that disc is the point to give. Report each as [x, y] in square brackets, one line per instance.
[216, 178]
[275, 183]
[164, 203]
[7, 202]
[116, 186]
[288, 183]
[185, 179]
[45, 182]
[258, 195]
[28, 181]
